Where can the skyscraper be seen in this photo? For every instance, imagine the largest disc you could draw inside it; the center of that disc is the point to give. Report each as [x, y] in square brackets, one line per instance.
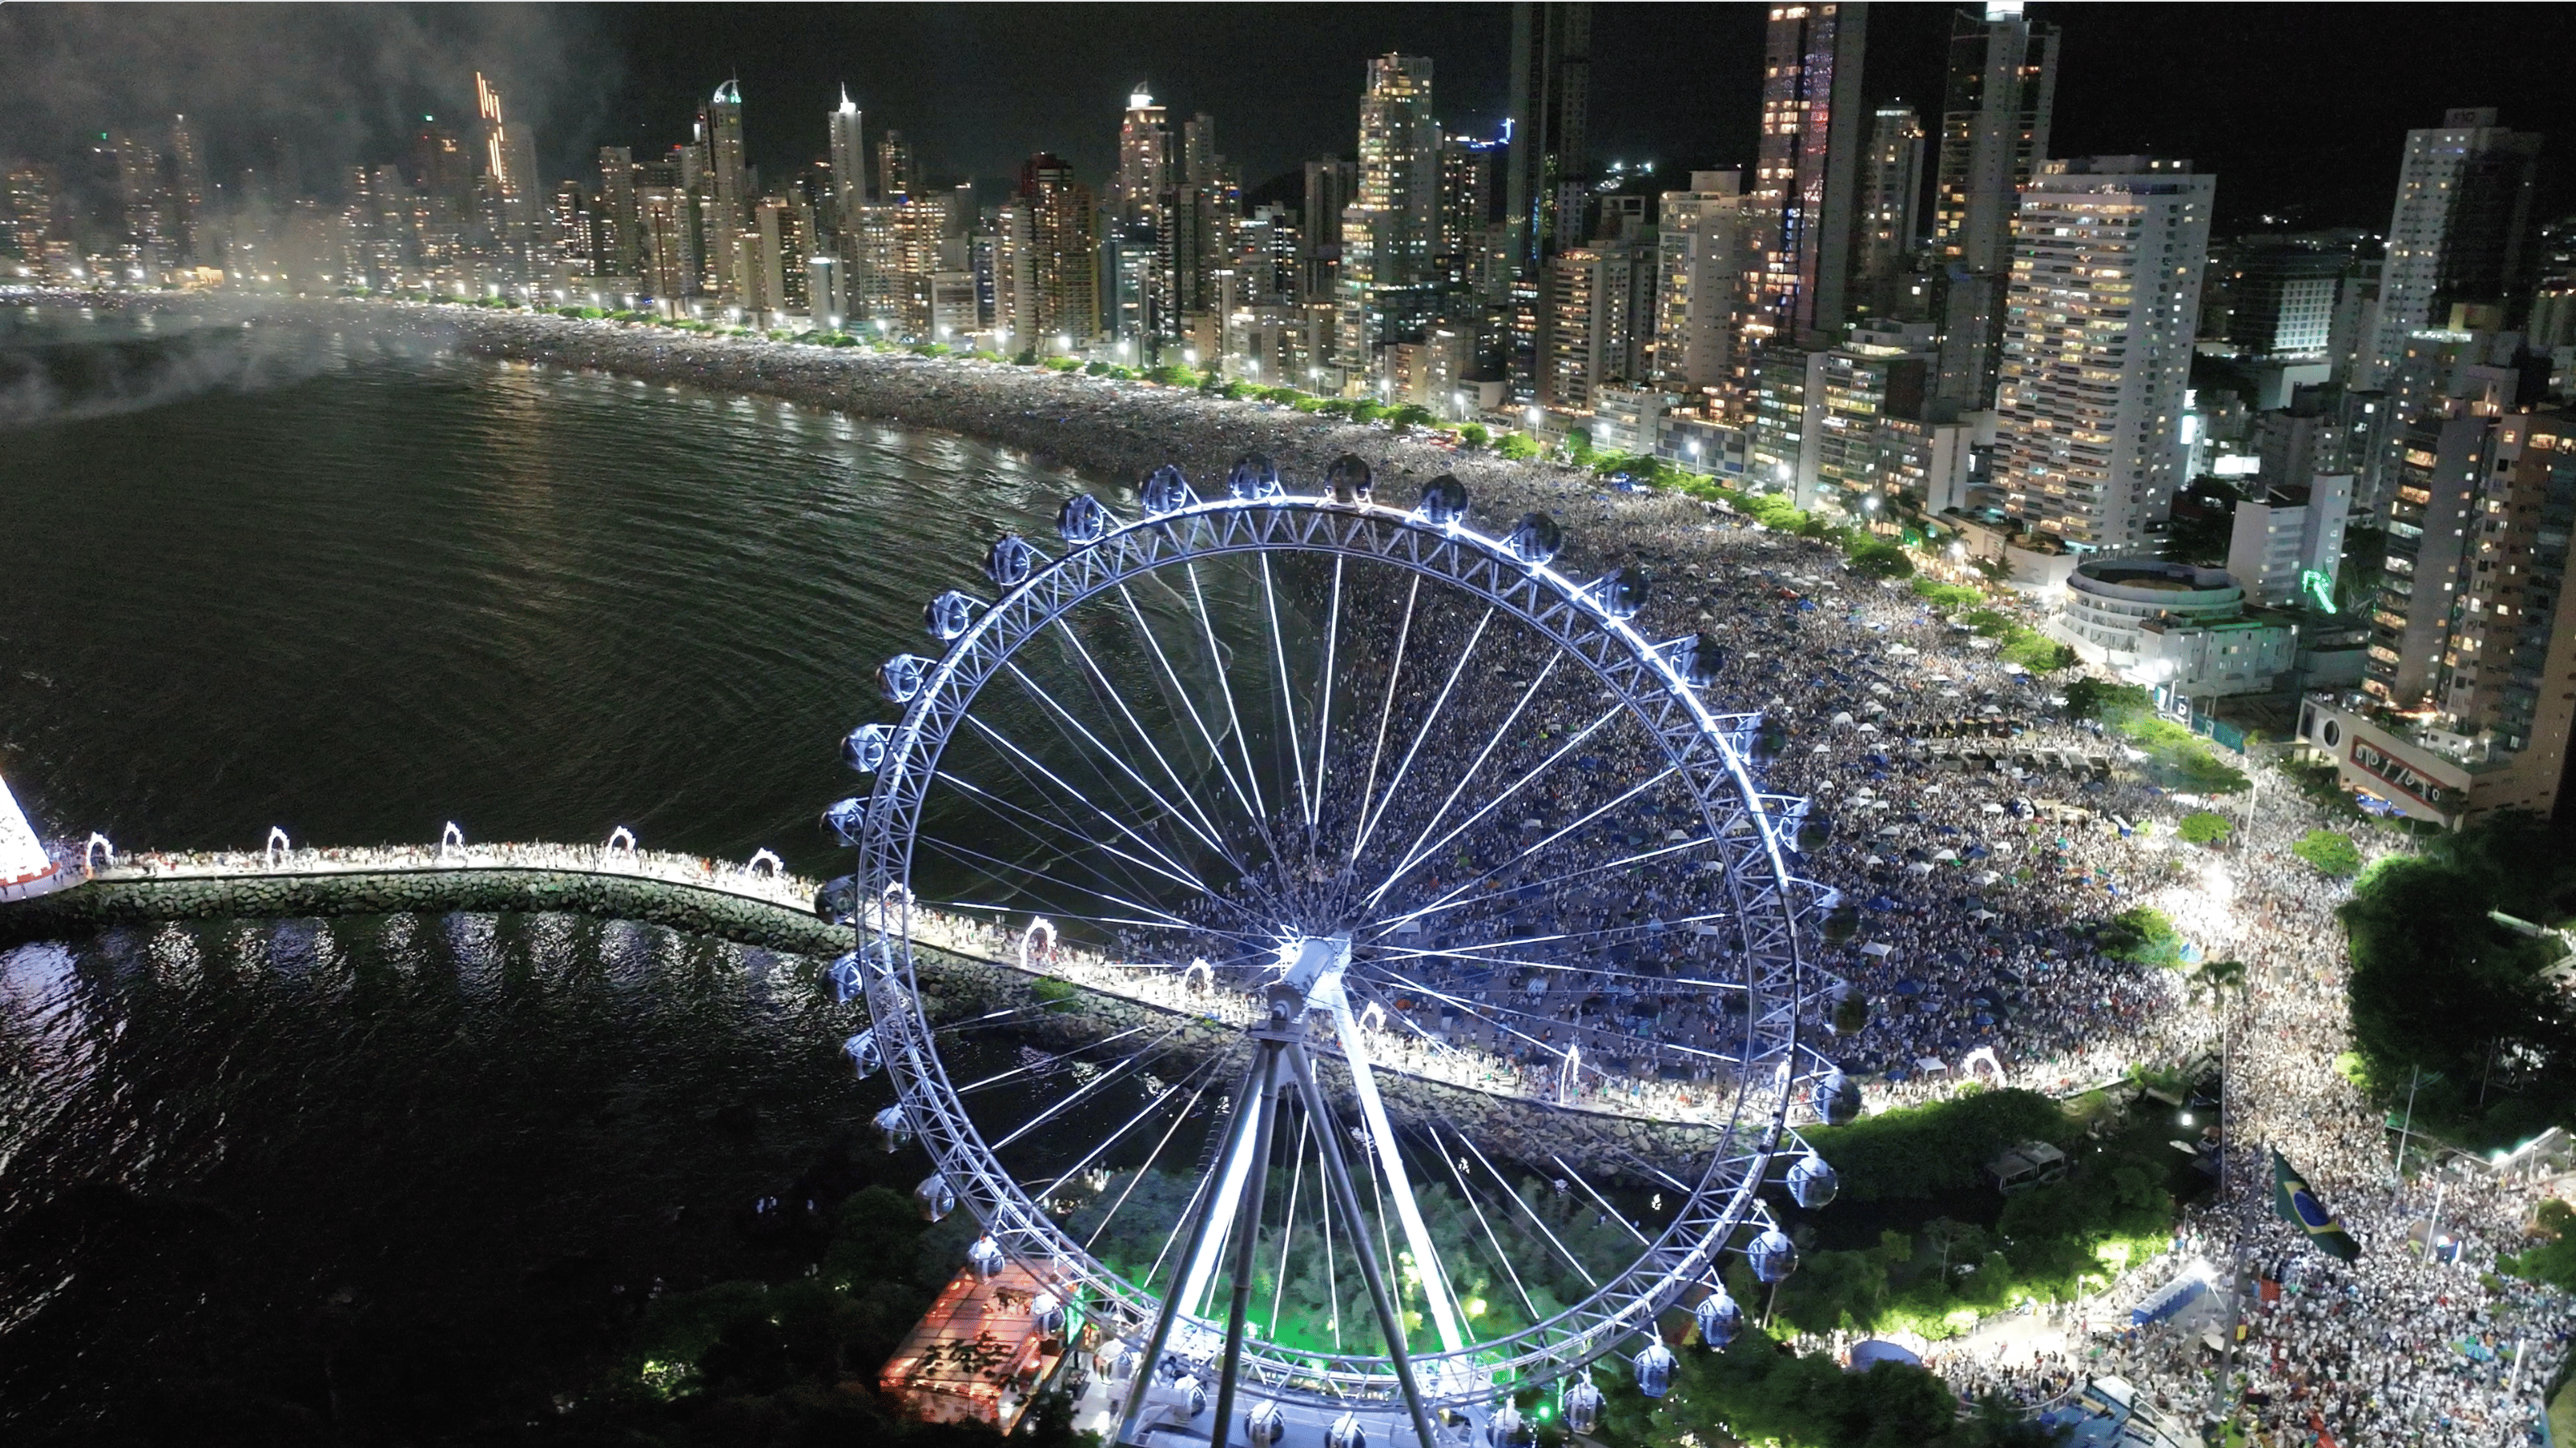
[1548, 172]
[1806, 171]
[723, 140]
[188, 187]
[1700, 257]
[849, 165]
[1994, 133]
[2105, 298]
[509, 156]
[896, 174]
[2459, 234]
[1891, 188]
[624, 248]
[1393, 219]
[1064, 255]
[1329, 184]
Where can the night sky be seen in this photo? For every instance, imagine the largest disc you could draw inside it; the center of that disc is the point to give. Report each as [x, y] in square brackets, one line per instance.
[2301, 110]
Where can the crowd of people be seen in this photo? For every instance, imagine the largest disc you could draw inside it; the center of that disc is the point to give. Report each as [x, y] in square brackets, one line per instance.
[1966, 894]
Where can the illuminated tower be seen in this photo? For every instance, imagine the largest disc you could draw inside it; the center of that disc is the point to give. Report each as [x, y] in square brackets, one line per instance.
[2459, 234]
[849, 165]
[1806, 170]
[1994, 134]
[723, 140]
[1544, 187]
[1891, 184]
[1393, 220]
[2107, 259]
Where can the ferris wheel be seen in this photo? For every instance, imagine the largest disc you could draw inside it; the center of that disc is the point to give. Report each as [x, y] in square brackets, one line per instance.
[1379, 844]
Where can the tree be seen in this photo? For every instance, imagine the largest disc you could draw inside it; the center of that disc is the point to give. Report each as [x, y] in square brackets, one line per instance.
[1881, 560]
[2202, 827]
[2216, 983]
[2333, 854]
[2142, 935]
[1474, 434]
[2102, 699]
[1518, 447]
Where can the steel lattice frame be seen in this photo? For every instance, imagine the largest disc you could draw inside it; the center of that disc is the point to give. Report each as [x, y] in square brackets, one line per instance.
[1771, 909]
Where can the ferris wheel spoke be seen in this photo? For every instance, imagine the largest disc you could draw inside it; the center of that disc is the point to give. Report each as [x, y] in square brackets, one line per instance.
[1613, 934]
[1216, 751]
[1142, 1056]
[1170, 867]
[1006, 867]
[1003, 869]
[1324, 714]
[1225, 687]
[1394, 675]
[1551, 838]
[1468, 1195]
[1070, 727]
[1287, 694]
[1421, 732]
[1211, 1075]
[1418, 850]
[1101, 684]
[1451, 901]
[1015, 1072]
[1599, 1200]
[1528, 1211]
[1153, 1103]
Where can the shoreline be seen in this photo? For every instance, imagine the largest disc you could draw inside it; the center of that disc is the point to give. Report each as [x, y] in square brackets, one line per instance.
[1113, 430]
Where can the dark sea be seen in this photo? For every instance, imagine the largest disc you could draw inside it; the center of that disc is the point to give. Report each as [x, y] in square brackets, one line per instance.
[418, 1178]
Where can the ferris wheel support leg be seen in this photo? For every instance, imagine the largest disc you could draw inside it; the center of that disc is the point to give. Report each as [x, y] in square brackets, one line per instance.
[1337, 1174]
[1247, 1228]
[1203, 1214]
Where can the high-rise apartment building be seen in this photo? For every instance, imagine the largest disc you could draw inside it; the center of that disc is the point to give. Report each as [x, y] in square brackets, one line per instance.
[1601, 313]
[2105, 297]
[188, 188]
[1329, 186]
[849, 164]
[1806, 172]
[1064, 253]
[668, 235]
[721, 129]
[2284, 298]
[1393, 219]
[2471, 687]
[1548, 172]
[509, 157]
[31, 213]
[2459, 234]
[622, 245]
[1700, 243]
[1995, 110]
[897, 177]
[1891, 190]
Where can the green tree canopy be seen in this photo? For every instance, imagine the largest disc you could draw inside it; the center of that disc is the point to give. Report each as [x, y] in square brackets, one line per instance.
[2203, 827]
[2331, 852]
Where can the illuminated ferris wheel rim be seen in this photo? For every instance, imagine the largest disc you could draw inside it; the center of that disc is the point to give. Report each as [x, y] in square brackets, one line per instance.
[1584, 619]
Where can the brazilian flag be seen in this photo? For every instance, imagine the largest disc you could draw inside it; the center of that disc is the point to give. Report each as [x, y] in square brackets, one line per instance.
[2295, 1203]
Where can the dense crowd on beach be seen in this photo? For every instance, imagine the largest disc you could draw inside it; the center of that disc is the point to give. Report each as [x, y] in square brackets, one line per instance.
[1966, 892]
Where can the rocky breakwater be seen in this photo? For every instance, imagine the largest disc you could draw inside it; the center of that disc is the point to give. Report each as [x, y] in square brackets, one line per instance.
[691, 909]
[1059, 1015]
[1052, 1014]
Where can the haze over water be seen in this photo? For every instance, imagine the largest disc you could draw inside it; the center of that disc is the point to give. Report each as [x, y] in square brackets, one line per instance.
[275, 578]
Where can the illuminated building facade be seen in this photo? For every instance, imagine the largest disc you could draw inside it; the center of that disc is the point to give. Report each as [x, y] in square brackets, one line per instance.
[2099, 322]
